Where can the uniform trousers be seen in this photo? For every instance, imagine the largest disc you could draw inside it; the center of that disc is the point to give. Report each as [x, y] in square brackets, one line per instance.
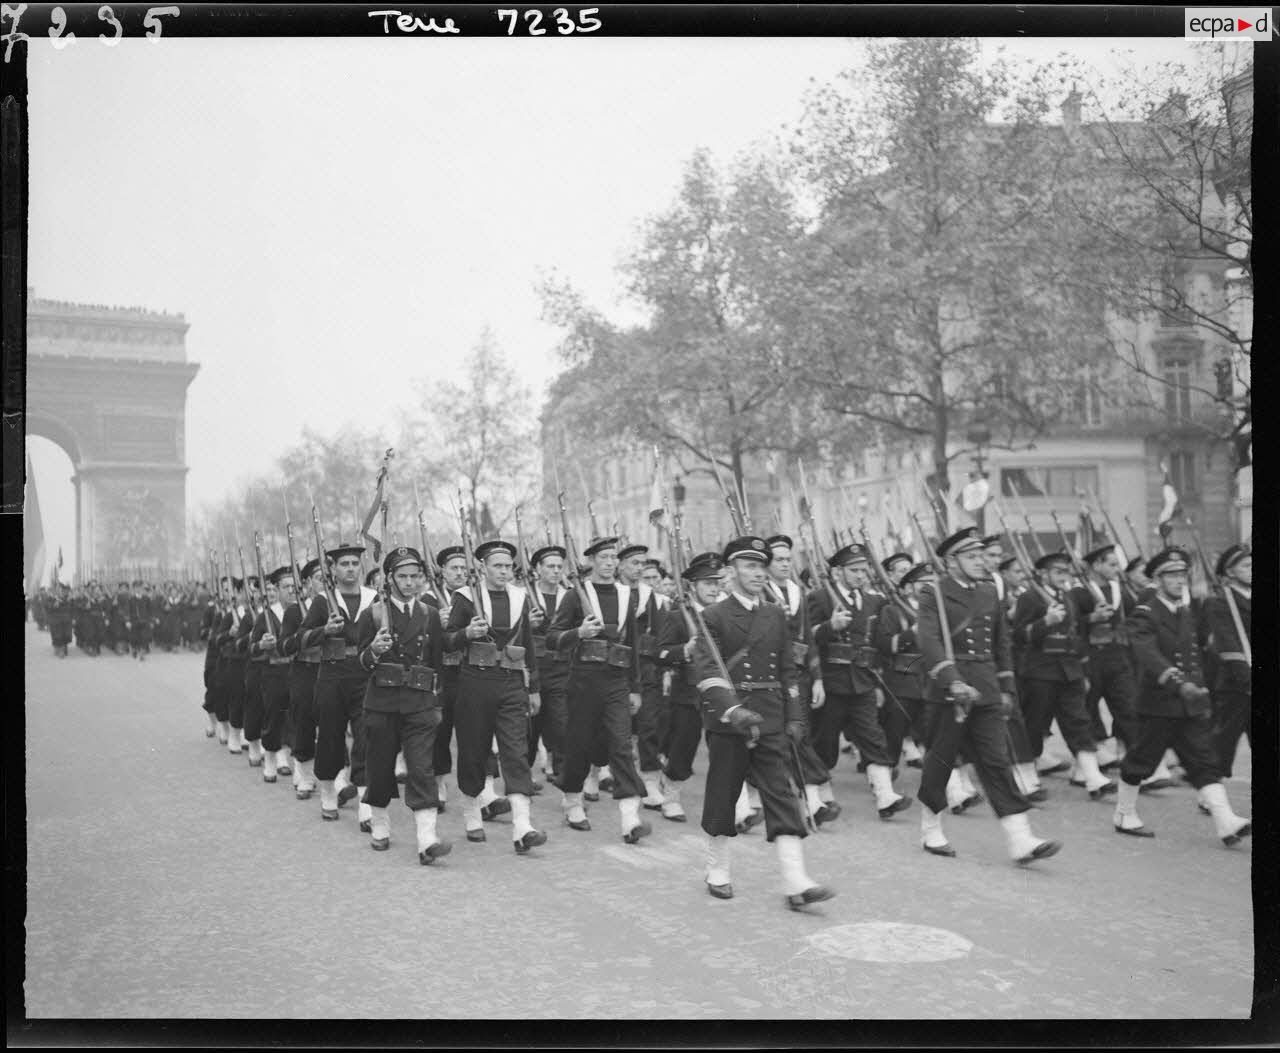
[302, 708]
[897, 719]
[599, 726]
[339, 702]
[1233, 718]
[1019, 738]
[442, 751]
[984, 738]
[857, 716]
[649, 721]
[275, 706]
[548, 725]
[492, 702]
[1043, 700]
[254, 707]
[1191, 738]
[684, 732]
[211, 686]
[140, 636]
[412, 733]
[1111, 677]
[233, 690]
[60, 630]
[729, 760]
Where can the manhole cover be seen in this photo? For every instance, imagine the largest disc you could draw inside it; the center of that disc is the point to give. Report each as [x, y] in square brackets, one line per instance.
[887, 941]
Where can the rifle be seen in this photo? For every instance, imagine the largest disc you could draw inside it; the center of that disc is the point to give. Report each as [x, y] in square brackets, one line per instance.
[820, 565]
[1035, 538]
[1227, 593]
[574, 559]
[677, 561]
[1136, 543]
[1111, 527]
[434, 576]
[735, 513]
[546, 523]
[330, 587]
[595, 525]
[293, 558]
[944, 628]
[478, 589]
[231, 583]
[268, 614]
[1022, 556]
[522, 561]
[882, 576]
[1077, 567]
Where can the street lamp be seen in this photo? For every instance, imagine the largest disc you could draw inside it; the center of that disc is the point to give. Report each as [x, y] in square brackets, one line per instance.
[978, 490]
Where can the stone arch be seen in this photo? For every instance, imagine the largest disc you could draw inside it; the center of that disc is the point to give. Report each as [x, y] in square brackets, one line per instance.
[109, 386]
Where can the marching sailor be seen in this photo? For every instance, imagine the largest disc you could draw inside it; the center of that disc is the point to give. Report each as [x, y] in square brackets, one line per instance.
[752, 723]
[1233, 678]
[302, 679]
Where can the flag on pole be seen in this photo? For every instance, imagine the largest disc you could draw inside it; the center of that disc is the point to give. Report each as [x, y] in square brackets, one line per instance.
[657, 501]
[378, 504]
[1164, 522]
[1087, 535]
[32, 535]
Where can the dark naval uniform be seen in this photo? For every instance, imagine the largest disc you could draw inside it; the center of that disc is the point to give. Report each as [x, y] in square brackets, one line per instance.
[340, 682]
[847, 660]
[803, 654]
[553, 677]
[603, 673]
[497, 676]
[754, 640]
[302, 680]
[231, 663]
[684, 725]
[984, 661]
[1110, 663]
[401, 706]
[274, 685]
[1167, 655]
[1233, 674]
[904, 679]
[1053, 671]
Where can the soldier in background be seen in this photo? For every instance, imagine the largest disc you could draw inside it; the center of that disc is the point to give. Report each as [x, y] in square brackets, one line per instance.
[970, 698]
[650, 722]
[302, 680]
[1233, 675]
[895, 639]
[452, 562]
[547, 565]
[61, 614]
[1173, 705]
[264, 645]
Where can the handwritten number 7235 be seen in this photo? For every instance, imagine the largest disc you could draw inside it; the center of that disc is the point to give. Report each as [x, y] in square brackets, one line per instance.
[565, 25]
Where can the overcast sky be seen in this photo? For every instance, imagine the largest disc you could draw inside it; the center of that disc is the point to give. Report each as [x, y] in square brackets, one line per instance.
[336, 217]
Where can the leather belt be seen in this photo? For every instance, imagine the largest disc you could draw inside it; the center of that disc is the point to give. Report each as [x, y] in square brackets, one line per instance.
[975, 657]
[758, 685]
[309, 659]
[272, 660]
[349, 651]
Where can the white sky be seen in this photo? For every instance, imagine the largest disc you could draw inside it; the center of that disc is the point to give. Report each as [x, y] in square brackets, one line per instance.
[336, 217]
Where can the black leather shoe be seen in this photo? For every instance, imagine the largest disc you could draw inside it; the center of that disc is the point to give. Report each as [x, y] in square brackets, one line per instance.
[255, 763]
[1234, 839]
[593, 797]
[268, 778]
[900, 805]
[329, 814]
[303, 795]
[1134, 831]
[915, 764]
[972, 801]
[1156, 784]
[816, 894]
[1102, 791]
[346, 794]
[532, 839]
[1110, 765]
[1043, 850]
[1054, 769]
[366, 826]
[499, 807]
[1038, 795]
[751, 821]
[433, 852]
[826, 813]
[636, 832]
[380, 844]
[652, 807]
[939, 850]
[537, 786]
[720, 891]
[208, 734]
[1077, 782]
[1203, 809]
[401, 777]
[607, 784]
[283, 769]
[583, 824]
[476, 836]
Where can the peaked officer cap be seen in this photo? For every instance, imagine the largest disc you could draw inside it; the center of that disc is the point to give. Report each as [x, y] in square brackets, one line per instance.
[847, 555]
[1099, 553]
[961, 541]
[398, 557]
[748, 547]
[1230, 558]
[1170, 561]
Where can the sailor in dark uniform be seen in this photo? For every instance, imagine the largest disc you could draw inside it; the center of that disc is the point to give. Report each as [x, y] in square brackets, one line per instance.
[970, 698]
[302, 680]
[602, 642]
[1233, 676]
[497, 691]
[1173, 705]
[265, 643]
[651, 718]
[675, 653]
[1055, 668]
[749, 720]
[452, 562]
[547, 565]
[843, 618]
[401, 645]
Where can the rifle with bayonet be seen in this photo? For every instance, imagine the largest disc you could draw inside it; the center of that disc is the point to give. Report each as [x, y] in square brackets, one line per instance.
[526, 572]
[1228, 593]
[326, 573]
[293, 558]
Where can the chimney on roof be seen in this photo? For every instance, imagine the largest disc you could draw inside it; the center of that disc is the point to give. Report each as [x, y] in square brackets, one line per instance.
[1071, 110]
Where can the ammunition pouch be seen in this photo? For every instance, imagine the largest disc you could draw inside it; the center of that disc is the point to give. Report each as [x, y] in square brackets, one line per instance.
[648, 645]
[907, 663]
[335, 648]
[539, 647]
[310, 655]
[453, 658]
[1059, 644]
[839, 654]
[1104, 635]
[274, 660]
[799, 652]
[594, 650]
[512, 657]
[412, 678]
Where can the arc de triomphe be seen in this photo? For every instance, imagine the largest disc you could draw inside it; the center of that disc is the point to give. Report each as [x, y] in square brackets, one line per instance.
[109, 385]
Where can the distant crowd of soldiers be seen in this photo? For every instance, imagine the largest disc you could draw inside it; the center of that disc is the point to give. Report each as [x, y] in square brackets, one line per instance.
[613, 672]
[130, 621]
